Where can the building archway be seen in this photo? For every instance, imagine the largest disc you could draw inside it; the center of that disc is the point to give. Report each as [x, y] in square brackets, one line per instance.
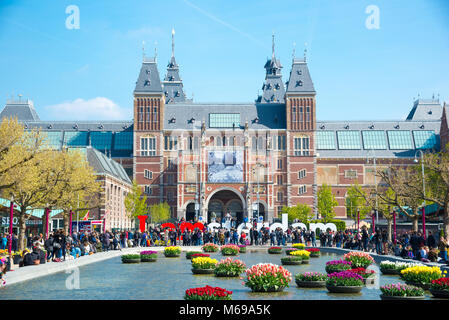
[190, 212]
[224, 201]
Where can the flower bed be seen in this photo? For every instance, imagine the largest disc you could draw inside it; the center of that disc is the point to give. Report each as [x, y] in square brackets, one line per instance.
[299, 245]
[242, 248]
[210, 247]
[421, 276]
[229, 268]
[172, 251]
[229, 250]
[190, 253]
[267, 277]
[311, 280]
[203, 265]
[337, 266]
[395, 267]
[400, 291]
[440, 288]
[208, 293]
[148, 256]
[314, 252]
[274, 250]
[359, 259]
[197, 255]
[130, 258]
[344, 282]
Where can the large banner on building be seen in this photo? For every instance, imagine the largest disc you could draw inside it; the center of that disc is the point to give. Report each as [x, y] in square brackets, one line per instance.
[225, 166]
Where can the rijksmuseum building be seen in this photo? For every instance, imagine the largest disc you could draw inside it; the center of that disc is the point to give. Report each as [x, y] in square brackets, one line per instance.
[209, 159]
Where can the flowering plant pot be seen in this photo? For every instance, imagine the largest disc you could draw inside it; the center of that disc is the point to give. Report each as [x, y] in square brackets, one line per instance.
[130, 258]
[208, 293]
[274, 250]
[190, 253]
[367, 275]
[288, 251]
[172, 251]
[242, 248]
[230, 250]
[203, 271]
[344, 282]
[395, 267]
[148, 256]
[210, 247]
[314, 252]
[291, 260]
[337, 266]
[421, 276]
[267, 277]
[204, 263]
[300, 246]
[311, 280]
[440, 288]
[229, 268]
[359, 259]
[401, 291]
[439, 293]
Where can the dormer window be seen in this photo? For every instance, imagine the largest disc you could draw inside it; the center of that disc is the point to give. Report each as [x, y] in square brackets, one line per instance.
[347, 126]
[192, 120]
[172, 120]
[49, 126]
[256, 120]
[299, 83]
[166, 93]
[322, 127]
[75, 127]
[299, 72]
[101, 126]
[277, 86]
[396, 126]
[421, 126]
[430, 112]
[146, 83]
[371, 126]
[177, 94]
[147, 71]
[170, 78]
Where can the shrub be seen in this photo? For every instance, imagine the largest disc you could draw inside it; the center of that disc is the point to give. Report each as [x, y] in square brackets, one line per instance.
[229, 268]
[267, 277]
[208, 293]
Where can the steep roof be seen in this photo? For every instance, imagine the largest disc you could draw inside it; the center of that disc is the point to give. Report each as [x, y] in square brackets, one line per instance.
[273, 90]
[426, 109]
[300, 80]
[258, 116]
[148, 80]
[103, 165]
[172, 84]
[23, 110]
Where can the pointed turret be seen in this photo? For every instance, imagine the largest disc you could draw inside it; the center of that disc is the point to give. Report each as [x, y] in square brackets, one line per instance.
[300, 80]
[172, 84]
[148, 80]
[273, 90]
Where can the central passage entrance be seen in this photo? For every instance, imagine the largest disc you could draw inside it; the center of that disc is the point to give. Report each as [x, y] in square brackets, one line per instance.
[222, 203]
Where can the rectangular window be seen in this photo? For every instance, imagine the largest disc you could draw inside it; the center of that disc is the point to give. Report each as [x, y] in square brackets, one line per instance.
[147, 146]
[302, 174]
[348, 140]
[147, 190]
[155, 114]
[375, 139]
[280, 197]
[224, 120]
[351, 174]
[400, 140]
[170, 196]
[279, 180]
[301, 146]
[280, 164]
[148, 174]
[170, 142]
[325, 140]
[425, 139]
[302, 189]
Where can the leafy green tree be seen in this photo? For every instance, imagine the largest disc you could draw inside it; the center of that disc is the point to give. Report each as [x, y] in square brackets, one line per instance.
[301, 212]
[357, 201]
[159, 212]
[135, 201]
[326, 203]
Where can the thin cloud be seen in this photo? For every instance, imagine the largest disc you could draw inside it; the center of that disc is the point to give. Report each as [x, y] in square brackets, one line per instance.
[229, 26]
[91, 109]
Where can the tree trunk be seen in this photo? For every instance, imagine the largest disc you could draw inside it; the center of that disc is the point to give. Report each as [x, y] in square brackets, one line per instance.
[389, 232]
[66, 216]
[415, 222]
[22, 231]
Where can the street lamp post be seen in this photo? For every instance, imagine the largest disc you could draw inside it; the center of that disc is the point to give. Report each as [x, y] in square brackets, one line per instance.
[421, 154]
[11, 218]
[196, 192]
[375, 180]
[258, 165]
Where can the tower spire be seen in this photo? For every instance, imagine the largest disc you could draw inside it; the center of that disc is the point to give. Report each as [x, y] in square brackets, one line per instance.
[305, 51]
[143, 50]
[272, 46]
[155, 51]
[173, 42]
[294, 50]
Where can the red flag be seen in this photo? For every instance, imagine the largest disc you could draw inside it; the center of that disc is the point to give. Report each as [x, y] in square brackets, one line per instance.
[86, 217]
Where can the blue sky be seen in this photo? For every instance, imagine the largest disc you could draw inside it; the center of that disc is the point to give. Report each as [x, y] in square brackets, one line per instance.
[222, 46]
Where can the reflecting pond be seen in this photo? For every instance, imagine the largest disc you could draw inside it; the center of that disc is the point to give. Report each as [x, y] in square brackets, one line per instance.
[168, 278]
